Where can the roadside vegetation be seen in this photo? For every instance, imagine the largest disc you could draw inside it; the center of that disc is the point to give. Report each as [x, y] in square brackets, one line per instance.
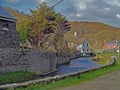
[73, 80]
[103, 59]
[105, 56]
[15, 77]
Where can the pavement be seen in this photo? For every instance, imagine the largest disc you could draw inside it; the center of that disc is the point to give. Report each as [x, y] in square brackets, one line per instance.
[106, 82]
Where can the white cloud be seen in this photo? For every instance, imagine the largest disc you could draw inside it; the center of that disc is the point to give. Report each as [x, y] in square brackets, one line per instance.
[113, 2]
[40, 1]
[78, 15]
[82, 6]
[118, 16]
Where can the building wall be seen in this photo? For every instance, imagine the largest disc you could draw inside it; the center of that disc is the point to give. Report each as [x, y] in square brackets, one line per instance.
[86, 47]
[11, 26]
[1, 26]
[110, 46]
[9, 39]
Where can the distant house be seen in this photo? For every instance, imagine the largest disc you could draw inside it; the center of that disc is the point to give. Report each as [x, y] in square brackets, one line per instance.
[110, 45]
[84, 48]
[119, 44]
[9, 37]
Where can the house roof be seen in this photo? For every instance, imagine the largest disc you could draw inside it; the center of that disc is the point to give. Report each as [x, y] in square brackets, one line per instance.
[110, 42]
[4, 15]
[119, 42]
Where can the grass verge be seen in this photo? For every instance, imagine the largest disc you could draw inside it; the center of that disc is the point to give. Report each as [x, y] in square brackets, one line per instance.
[103, 59]
[14, 77]
[73, 80]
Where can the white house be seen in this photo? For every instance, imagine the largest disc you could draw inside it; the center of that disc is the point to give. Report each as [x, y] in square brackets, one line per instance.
[85, 47]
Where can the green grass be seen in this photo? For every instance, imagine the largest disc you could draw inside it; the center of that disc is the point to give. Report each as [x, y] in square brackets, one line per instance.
[103, 59]
[14, 77]
[73, 80]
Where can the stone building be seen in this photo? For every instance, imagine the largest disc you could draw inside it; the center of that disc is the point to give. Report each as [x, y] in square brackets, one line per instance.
[85, 47]
[9, 37]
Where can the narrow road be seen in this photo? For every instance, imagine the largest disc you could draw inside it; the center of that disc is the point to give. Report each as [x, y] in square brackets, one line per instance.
[78, 64]
[107, 82]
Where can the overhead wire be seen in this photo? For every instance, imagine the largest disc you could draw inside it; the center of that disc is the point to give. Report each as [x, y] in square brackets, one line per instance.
[57, 3]
[40, 12]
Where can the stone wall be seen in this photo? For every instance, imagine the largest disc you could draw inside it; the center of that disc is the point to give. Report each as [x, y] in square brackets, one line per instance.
[9, 56]
[14, 59]
[39, 62]
[62, 60]
[9, 39]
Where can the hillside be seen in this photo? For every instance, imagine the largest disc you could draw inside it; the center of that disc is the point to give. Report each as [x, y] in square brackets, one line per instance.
[95, 32]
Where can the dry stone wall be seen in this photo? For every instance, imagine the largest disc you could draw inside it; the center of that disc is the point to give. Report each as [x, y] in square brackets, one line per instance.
[15, 59]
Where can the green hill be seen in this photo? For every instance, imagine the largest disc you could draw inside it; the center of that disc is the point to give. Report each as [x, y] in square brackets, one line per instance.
[95, 32]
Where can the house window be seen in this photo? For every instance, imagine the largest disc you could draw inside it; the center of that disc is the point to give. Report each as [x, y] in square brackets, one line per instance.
[87, 44]
[5, 26]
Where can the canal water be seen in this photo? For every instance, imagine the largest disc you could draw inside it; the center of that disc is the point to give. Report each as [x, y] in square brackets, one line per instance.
[78, 64]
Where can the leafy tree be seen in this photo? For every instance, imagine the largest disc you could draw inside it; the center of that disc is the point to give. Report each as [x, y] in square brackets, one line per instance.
[61, 44]
[42, 23]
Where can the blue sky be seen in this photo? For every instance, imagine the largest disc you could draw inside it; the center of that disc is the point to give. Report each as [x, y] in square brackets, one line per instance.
[105, 11]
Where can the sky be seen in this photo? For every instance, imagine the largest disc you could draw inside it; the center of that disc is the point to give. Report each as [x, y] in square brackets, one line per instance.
[105, 11]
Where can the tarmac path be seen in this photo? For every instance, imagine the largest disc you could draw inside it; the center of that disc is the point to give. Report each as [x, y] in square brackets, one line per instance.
[106, 82]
